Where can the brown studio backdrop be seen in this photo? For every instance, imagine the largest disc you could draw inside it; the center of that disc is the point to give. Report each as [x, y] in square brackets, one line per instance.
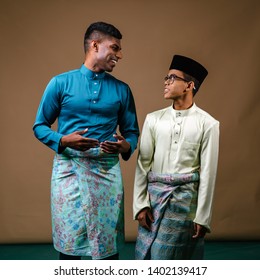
[40, 39]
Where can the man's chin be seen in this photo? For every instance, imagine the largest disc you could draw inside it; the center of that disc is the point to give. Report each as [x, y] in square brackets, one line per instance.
[165, 96]
[109, 69]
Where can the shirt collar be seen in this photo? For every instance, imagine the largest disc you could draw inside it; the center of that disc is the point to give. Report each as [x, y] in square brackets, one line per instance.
[183, 113]
[90, 74]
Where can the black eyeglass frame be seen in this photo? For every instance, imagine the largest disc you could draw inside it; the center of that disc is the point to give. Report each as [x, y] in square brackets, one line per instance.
[174, 77]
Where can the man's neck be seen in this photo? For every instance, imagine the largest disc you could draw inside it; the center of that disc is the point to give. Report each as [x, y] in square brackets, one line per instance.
[91, 66]
[182, 105]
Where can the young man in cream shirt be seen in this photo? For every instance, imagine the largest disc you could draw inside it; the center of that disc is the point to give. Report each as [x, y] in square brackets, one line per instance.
[176, 170]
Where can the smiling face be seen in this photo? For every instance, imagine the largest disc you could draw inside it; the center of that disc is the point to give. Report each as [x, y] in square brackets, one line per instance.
[108, 52]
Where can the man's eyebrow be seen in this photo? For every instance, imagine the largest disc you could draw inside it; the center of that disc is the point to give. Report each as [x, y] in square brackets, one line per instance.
[116, 46]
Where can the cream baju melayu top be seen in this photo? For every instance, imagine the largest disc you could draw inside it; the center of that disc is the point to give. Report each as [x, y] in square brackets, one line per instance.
[176, 141]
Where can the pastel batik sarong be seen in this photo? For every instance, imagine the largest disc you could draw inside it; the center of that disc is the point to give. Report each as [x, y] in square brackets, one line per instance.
[87, 203]
[173, 201]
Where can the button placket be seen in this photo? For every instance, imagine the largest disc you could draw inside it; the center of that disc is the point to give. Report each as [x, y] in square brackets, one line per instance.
[175, 136]
[177, 128]
[95, 87]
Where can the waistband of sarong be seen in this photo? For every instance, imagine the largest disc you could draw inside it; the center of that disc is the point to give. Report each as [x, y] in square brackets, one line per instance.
[173, 179]
[91, 153]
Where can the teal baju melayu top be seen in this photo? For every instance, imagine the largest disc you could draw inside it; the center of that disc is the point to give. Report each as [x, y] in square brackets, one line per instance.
[83, 99]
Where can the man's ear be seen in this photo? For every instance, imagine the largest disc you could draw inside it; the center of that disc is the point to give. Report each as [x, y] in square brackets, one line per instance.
[94, 45]
[191, 85]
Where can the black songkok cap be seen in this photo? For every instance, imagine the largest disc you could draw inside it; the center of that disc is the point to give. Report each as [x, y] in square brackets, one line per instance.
[190, 67]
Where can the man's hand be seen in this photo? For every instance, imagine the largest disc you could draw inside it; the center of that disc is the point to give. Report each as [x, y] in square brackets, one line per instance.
[145, 218]
[199, 231]
[110, 147]
[76, 141]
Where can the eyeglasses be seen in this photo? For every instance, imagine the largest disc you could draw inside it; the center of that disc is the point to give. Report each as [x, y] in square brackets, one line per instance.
[171, 78]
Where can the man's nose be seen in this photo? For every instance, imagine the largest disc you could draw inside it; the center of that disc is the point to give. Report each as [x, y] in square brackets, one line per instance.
[119, 55]
[166, 82]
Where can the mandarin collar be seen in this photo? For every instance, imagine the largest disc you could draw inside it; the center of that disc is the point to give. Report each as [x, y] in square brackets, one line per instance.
[90, 74]
[183, 113]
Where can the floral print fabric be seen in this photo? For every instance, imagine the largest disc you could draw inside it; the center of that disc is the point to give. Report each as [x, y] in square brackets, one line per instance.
[87, 203]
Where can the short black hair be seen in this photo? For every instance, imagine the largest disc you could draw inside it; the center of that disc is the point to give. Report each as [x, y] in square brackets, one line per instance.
[97, 29]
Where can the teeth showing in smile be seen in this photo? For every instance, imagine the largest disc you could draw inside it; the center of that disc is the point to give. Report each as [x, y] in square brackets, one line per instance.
[115, 61]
